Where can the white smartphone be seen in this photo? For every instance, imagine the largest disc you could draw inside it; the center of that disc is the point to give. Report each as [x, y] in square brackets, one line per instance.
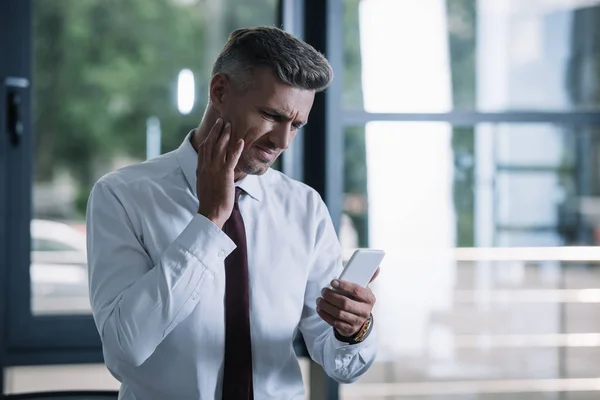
[362, 266]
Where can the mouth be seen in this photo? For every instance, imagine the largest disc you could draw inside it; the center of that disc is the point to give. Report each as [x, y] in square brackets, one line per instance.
[265, 154]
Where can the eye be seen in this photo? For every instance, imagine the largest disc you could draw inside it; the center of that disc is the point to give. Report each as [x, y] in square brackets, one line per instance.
[270, 116]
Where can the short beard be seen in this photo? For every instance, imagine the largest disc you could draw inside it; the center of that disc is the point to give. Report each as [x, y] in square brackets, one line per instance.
[250, 166]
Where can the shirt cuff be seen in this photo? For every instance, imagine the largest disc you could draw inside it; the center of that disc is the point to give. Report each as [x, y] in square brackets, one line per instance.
[205, 241]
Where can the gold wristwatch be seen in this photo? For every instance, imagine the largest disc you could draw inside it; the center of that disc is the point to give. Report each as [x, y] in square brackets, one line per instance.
[359, 336]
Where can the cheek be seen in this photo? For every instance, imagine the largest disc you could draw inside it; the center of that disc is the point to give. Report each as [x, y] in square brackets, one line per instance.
[254, 128]
[244, 122]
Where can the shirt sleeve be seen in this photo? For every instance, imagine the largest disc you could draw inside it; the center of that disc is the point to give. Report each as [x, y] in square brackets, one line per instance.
[341, 361]
[135, 303]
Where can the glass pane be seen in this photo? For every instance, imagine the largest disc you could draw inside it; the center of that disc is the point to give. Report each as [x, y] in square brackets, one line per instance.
[482, 294]
[105, 96]
[475, 185]
[488, 55]
[530, 199]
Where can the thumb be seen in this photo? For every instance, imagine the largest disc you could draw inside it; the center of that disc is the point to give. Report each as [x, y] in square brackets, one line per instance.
[235, 157]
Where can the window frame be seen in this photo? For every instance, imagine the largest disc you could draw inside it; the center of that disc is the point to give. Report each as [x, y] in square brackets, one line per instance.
[352, 117]
[319, 23]
[33, 339]
[4, 70]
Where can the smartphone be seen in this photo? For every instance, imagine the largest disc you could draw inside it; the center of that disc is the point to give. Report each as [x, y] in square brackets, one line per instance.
[362, 266]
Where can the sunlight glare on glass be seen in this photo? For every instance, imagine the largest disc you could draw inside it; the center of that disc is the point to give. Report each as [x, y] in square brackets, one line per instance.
[185, 91]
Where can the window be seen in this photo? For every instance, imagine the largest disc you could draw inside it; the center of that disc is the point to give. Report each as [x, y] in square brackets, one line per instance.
[116, 67]
[486, 55]
[105, 93]
[434, 184]
[471, 133]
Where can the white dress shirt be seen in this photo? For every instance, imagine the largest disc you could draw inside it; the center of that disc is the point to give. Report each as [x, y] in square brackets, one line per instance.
[157, 282]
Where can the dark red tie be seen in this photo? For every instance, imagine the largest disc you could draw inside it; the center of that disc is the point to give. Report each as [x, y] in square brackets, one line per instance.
[237, 372]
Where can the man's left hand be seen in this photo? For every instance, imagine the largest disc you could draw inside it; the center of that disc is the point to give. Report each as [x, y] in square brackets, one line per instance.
[348, 307]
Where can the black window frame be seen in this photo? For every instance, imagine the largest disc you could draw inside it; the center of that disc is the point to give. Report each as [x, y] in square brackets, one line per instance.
[32, 339]
[17, 333]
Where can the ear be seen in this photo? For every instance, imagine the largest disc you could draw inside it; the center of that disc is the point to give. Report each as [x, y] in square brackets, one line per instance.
[220, 87]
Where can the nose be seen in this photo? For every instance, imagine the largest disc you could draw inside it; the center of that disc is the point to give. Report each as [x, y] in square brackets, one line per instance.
[282, 136]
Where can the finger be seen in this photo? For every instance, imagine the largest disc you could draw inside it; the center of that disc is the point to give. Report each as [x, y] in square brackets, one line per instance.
[201, 148]
[344, 303]
[220, 150]
[206, 154]
[233, 158]
[211, 139]
[341, 315]
[201, 152]
[359, 293]
[341, 326]
[375, 275]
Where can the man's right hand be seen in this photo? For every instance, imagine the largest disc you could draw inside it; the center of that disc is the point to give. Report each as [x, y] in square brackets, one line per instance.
[215, 173]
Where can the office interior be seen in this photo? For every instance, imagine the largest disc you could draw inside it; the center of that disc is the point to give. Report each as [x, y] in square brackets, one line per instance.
[460, 136]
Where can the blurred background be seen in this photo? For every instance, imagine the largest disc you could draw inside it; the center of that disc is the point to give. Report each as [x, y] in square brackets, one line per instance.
[460, 136]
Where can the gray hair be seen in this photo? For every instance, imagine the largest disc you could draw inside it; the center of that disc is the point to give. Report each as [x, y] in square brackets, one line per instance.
[294, 62]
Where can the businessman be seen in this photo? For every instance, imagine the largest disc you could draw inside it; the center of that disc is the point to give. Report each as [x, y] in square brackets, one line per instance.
[205, 262]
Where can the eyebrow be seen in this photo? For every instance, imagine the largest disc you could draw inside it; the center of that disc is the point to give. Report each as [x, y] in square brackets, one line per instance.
[283, 115]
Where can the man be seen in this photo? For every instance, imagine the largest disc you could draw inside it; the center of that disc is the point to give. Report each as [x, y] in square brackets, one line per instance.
[204, 262]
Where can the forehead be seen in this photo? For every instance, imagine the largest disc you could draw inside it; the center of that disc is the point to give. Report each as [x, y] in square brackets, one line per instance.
[269, 91]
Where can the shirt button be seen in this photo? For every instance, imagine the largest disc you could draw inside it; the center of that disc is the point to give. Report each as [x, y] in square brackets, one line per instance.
[221, 254]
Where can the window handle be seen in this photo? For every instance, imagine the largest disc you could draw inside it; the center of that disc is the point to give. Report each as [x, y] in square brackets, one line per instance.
[15, 124]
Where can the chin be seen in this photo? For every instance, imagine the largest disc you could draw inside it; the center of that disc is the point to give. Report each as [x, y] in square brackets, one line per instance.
[253, 167]
[255, 171]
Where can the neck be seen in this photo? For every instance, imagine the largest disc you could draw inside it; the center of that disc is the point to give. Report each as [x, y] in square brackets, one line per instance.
[201, 133]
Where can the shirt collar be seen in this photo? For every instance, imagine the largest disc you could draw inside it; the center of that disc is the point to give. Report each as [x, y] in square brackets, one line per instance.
[188, 161]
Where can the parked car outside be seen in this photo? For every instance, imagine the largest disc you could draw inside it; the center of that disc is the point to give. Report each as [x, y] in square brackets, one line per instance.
[59, 273]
